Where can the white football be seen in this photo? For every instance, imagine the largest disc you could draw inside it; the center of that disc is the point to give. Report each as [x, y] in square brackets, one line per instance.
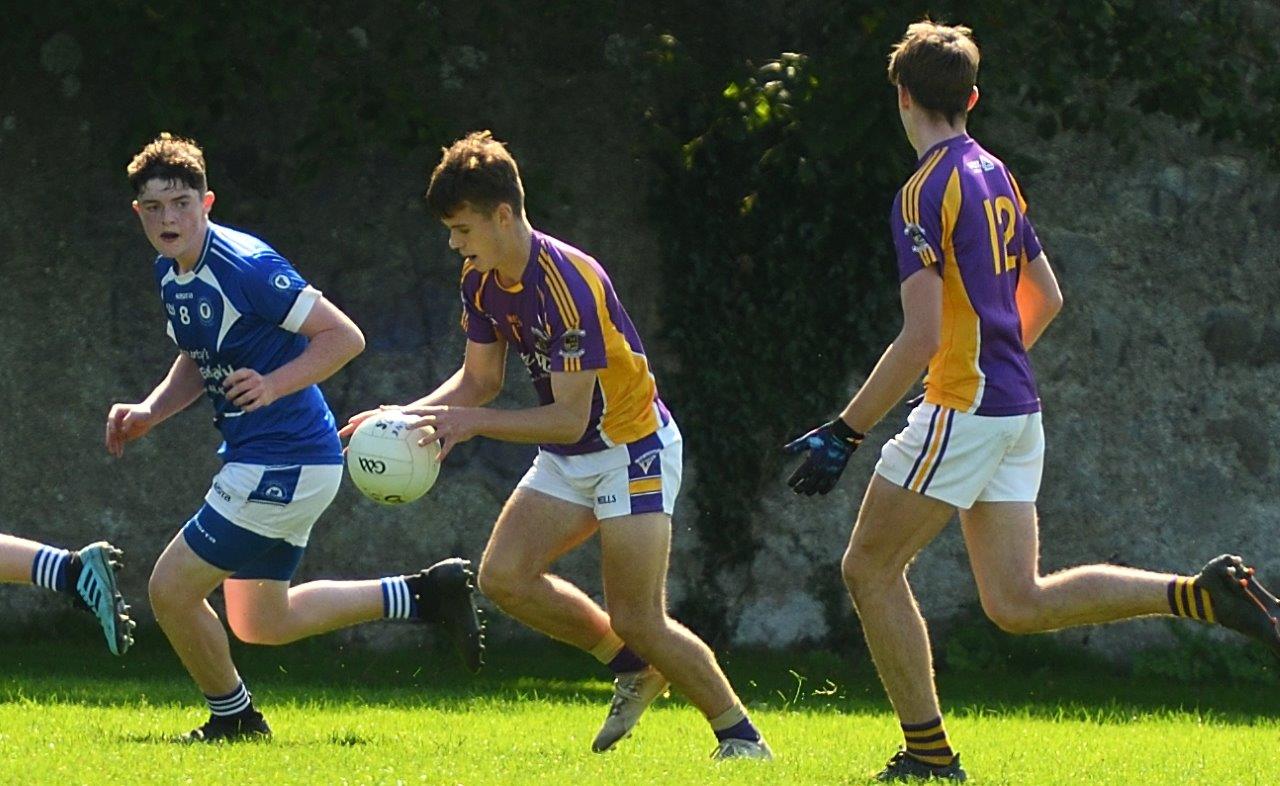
[386, 462]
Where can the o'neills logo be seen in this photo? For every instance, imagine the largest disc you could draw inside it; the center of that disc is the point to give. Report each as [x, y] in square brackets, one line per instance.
[372, 466]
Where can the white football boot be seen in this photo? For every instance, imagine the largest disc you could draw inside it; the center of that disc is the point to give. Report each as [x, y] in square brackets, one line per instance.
[734, 748]
[633, 692]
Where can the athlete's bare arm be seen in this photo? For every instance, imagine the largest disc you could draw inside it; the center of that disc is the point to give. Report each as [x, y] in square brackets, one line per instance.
[563, 421]
[477, 382]
[907, 357]
[1039, 299]
[177, 391]
[333, 341]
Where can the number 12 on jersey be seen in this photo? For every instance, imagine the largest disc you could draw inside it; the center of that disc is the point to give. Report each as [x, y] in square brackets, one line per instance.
[1001, 221]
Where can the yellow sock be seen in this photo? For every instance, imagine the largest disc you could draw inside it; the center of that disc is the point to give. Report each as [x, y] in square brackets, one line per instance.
[607, 648]
[928, 742]
[1188, 600]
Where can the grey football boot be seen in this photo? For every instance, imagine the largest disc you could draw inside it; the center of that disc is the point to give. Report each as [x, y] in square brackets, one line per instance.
[633, 692]
[733, 748]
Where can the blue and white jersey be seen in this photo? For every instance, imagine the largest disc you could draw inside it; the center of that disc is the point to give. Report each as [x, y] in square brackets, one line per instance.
[241, 307]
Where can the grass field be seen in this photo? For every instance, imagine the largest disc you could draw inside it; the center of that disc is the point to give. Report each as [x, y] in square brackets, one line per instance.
[71, 714]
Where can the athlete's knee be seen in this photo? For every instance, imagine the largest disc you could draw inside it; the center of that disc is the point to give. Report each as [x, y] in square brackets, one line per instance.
[1014, 611]
[259, 630]
[866, 571]
[638, 623]
[261, 613]
[502, 580]
[167, 593]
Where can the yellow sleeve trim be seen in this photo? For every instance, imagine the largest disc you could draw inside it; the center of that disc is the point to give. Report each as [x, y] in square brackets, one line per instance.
[911, 200]
[1017, 190]
[560, 292]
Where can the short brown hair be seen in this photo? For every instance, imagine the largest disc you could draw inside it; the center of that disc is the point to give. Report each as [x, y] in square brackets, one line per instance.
[938, 65]
[475, 170]
[169, 157]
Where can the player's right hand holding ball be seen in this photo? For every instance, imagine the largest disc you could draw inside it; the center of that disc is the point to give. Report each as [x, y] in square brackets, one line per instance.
[355, 420]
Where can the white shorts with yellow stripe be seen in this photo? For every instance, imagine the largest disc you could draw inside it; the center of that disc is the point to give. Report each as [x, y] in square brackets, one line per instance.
[961, 459]
[624, 480]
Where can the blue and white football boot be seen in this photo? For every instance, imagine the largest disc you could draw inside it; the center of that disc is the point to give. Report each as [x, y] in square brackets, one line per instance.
[95, 591]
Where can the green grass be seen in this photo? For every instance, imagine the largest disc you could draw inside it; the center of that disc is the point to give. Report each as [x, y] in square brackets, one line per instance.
[71, 714]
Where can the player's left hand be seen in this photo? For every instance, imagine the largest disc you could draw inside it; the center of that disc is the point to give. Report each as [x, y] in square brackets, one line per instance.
[453, 425]
[248, 390]
[830, 446]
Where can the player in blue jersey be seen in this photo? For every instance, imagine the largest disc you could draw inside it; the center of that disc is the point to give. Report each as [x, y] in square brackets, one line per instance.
[977, 292]
[87, 576]
[255, 339]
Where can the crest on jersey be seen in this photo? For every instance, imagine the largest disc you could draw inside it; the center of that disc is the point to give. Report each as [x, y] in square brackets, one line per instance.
[915, 233]
[204, 309]
[980, 164]
[282, 281]
[571, 345]
[541, 340]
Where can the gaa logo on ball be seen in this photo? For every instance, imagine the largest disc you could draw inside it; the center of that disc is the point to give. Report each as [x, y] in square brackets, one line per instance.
[386, 462]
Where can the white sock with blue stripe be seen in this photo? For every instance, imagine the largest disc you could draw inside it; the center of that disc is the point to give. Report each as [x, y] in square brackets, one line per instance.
[233, 703]
[49, 569]
[397, 599]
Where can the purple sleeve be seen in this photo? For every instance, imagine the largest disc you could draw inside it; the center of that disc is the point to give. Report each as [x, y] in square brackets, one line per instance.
[577, 338]
[475, 323]
[916, 222]
[1030, 241]
[1031, 247]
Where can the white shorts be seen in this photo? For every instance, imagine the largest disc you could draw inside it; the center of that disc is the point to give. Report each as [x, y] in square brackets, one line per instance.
[639, 477]
[961, 459]
[276, 502]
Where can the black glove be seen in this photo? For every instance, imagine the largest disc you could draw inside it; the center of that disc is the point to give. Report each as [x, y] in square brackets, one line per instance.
[830, 446]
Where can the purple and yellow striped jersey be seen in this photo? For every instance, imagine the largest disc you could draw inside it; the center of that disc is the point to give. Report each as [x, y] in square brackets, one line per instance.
[963, 215]
[564, 316]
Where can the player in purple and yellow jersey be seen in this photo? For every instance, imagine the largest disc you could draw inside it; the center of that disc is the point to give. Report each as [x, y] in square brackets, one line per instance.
[977, 292]
[609, 456]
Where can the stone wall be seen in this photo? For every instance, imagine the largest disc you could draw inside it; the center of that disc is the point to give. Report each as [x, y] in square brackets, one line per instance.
[1154, 379]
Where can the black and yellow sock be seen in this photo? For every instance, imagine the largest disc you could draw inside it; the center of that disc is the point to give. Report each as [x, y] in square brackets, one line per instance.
[1186, 599]
[928, 742]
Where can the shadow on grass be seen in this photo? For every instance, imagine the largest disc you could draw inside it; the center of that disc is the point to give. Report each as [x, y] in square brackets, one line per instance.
[324, 670]
[341, 739]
